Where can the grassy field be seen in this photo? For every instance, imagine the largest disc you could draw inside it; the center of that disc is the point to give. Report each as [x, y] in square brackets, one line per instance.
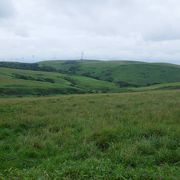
[99, 136]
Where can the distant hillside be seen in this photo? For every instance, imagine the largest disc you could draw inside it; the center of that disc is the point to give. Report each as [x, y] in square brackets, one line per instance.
[124, 73]
[28, 82]
[74, 77]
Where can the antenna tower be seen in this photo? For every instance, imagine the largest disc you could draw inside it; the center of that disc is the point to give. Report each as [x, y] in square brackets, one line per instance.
[82, 55]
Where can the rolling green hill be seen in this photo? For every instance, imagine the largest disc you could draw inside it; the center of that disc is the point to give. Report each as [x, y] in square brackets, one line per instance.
[124, 73]
[74, 77]
[28, 82]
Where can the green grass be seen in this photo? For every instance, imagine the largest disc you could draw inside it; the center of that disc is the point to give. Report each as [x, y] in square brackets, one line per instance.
[28, 82]
[121, 72]
[77, 77]
[164, 86]
[99, 136]
[16, 82]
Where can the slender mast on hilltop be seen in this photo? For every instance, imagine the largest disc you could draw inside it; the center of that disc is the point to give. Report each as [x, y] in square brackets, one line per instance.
[82, 55]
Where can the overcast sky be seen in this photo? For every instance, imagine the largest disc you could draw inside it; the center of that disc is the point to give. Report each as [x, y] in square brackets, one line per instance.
[146, 30]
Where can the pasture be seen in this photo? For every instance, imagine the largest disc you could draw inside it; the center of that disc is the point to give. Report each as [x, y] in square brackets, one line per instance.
[97, 136]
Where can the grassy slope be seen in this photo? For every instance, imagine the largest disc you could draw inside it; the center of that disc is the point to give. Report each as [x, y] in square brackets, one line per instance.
[164, 86]
[61, 84]
[122, 136]
[135, 73]
[115, 76]
[36, 82]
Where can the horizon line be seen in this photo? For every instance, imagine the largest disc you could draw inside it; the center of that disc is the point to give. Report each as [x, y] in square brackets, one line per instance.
[105, 60]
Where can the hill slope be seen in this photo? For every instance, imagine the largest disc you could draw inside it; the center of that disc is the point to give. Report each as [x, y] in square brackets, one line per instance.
[68, 77]
[124, 73]
[28, 82]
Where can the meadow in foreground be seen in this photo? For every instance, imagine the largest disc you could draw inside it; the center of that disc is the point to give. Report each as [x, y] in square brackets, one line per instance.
[103, 136]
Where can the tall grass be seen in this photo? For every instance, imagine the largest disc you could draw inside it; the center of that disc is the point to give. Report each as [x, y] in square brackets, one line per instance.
[105, 136]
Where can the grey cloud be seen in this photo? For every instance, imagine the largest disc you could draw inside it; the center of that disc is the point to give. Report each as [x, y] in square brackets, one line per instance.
[115, 29]
[6, 9]
[22, 32]
[166, 32]
[164, 36]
